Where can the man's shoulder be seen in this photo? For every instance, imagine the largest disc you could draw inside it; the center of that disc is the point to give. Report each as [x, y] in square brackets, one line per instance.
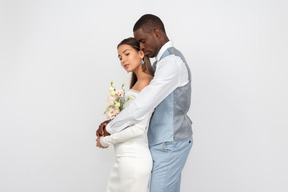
[172, 58]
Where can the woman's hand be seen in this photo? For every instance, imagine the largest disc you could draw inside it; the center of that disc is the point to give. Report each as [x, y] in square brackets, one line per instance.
[98, 143]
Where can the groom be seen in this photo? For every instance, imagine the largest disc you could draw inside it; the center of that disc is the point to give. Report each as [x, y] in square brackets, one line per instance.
[169, 93]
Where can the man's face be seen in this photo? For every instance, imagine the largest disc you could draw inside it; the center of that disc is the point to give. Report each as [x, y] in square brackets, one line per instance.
[148, 42]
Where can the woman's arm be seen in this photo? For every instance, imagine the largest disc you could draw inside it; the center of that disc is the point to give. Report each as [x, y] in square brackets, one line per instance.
[126, 134]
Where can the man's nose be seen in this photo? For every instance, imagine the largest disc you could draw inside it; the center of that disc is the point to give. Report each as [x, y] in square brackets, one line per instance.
[141, 46]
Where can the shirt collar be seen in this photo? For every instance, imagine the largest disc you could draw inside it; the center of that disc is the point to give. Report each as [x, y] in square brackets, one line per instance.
[163, 49]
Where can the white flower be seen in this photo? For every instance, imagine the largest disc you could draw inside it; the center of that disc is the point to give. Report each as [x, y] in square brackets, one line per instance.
[117, 105]
[112, 113]
[112, 93]
[111, 100]
[115, 102]
[119, 93]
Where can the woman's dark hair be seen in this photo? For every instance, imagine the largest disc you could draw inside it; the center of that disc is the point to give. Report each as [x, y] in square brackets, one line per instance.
[146, 67]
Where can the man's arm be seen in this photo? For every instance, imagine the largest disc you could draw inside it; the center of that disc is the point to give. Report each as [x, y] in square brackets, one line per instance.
[165, 81]
[126, 134]
[101, 131]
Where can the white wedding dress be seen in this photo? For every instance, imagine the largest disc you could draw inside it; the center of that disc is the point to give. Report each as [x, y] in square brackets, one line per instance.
[133, 164]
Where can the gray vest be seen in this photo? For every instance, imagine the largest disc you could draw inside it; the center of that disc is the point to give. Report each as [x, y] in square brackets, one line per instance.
[170, 122]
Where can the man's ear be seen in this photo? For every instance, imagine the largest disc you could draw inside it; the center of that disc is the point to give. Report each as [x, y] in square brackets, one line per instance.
[157, 33]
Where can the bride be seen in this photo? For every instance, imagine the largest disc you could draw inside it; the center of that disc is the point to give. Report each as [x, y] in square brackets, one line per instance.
[132, 168]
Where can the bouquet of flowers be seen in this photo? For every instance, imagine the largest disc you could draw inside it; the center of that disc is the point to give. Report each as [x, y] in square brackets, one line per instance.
[116, 100]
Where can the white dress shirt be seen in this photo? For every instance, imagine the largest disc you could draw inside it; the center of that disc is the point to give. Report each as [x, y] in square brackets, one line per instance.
[171, 73]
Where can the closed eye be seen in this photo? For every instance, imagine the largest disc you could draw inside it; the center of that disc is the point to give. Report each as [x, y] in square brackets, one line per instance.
[141, 41]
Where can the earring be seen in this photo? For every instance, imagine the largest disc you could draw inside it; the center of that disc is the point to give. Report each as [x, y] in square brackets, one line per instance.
[142, 61]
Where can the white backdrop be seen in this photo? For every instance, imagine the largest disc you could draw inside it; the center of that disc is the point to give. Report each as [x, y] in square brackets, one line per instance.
[57, 59]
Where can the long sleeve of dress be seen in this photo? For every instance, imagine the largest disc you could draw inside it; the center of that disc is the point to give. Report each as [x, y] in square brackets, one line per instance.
[126, 134]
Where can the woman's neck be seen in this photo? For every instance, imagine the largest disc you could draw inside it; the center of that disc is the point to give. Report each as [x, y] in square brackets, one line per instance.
[139, 73]
[143, 79]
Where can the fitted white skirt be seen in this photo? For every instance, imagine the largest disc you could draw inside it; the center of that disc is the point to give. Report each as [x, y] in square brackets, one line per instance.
[132, 168]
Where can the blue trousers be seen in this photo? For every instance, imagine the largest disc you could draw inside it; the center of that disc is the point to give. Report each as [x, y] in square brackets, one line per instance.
[168, 161]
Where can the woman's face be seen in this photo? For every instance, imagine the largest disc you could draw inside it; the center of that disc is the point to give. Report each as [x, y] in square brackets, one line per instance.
[130, 58]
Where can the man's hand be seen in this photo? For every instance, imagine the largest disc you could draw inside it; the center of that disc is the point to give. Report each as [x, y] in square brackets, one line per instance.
[101, 131]
[98, 144]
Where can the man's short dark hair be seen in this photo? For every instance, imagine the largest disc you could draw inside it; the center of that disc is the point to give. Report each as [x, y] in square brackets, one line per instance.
[149, 23]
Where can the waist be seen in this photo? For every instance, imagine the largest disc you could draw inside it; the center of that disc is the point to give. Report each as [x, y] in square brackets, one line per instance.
[131, 148]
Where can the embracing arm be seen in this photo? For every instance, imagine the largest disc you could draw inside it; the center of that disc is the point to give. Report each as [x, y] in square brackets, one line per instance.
[165, 81]
[126, 134]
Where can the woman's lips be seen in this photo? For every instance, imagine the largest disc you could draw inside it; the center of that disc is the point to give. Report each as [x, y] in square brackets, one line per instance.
[126, 66]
